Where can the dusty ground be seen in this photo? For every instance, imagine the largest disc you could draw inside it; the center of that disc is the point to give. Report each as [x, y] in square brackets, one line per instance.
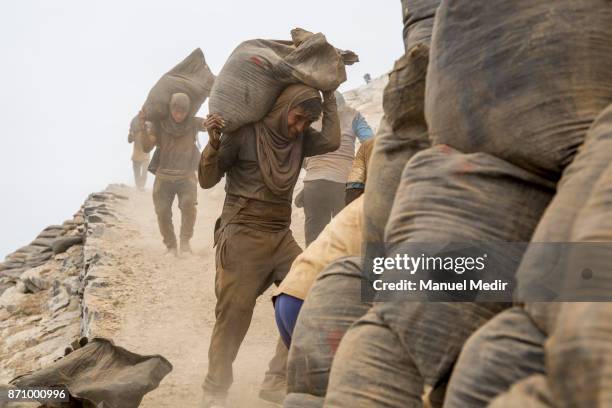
[170, 310]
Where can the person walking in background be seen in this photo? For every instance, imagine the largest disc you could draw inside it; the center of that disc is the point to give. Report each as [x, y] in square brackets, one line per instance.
[174, 164]
[140, 158]
[327, 174]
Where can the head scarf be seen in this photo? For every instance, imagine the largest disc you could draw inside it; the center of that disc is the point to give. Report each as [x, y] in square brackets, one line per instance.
[279, 156]
[180, 102]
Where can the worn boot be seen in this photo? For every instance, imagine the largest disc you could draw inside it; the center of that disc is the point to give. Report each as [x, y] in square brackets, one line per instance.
[273, 396]
[172, 251]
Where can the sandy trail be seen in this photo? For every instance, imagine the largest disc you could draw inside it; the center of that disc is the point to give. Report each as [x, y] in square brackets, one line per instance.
[171, 309]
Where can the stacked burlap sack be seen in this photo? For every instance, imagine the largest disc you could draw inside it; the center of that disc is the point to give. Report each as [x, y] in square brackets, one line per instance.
[577, 363]
[546, 336]
[418, 17]
[503, 129]
[445, 196]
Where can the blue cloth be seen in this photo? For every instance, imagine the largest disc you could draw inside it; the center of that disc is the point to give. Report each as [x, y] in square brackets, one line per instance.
[361, 128]
[286, 310]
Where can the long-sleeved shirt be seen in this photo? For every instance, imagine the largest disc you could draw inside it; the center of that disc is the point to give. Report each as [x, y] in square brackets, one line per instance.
[178, 155]
[237, 159]
[359, 171]
[336, 166]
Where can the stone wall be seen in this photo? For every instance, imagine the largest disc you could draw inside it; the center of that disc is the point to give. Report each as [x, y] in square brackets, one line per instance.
[49, 289]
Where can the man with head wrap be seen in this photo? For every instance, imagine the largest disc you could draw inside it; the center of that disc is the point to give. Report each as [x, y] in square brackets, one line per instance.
[327, 174]
[255, 246]
[174, 164]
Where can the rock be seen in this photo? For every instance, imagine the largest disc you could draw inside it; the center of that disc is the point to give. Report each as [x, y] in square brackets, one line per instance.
[43, 242]
[94, 219]
[99, 197]
[119, 196]
[25, 250]
[36, 260]
[72, 285]
[12, 264]
[61, 257]
[49, 234]
[62, 244]
[16, 257]
[14, 273]
[5, 283]
[60, 301]
[53, 227]
[11, 298]
[60, 297]
[33, 281]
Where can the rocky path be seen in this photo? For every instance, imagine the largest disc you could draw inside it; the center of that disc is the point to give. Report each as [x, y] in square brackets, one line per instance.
[168, 305]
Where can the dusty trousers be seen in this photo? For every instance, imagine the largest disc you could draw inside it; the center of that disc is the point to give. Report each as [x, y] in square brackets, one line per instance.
[164, 191]
[140, 173]
[323, 199]
[247, 261]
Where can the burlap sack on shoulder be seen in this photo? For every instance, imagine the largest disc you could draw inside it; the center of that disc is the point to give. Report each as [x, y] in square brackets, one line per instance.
[191, 76]
[258, 70]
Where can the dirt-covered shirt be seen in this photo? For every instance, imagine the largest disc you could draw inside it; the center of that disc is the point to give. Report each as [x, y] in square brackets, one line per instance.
[178, 155]
[236, 158]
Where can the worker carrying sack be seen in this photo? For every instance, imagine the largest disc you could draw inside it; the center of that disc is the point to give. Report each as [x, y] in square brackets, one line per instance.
[521, 80]
[191, 76]
[258, 70]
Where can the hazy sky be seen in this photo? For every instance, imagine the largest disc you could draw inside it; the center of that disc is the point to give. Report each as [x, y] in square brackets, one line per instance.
[74, 72]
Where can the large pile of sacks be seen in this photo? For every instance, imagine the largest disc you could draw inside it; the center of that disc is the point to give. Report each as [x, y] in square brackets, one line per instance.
[496, 130]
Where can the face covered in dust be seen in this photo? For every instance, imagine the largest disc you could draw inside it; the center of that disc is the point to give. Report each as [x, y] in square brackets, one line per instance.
[300, 117]
[179, 107]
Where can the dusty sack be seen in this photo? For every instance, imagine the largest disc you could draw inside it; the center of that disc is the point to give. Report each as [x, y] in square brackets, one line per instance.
[521, 80]
[191, 76]
[507, 349]
[443, 196]
[418, 18]
[403, 96]
[401, 134]
[447, 196]
[258, 70]
[531, 392]
[101, 374]
[332, 305]
[573, 190]
[579, 353]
